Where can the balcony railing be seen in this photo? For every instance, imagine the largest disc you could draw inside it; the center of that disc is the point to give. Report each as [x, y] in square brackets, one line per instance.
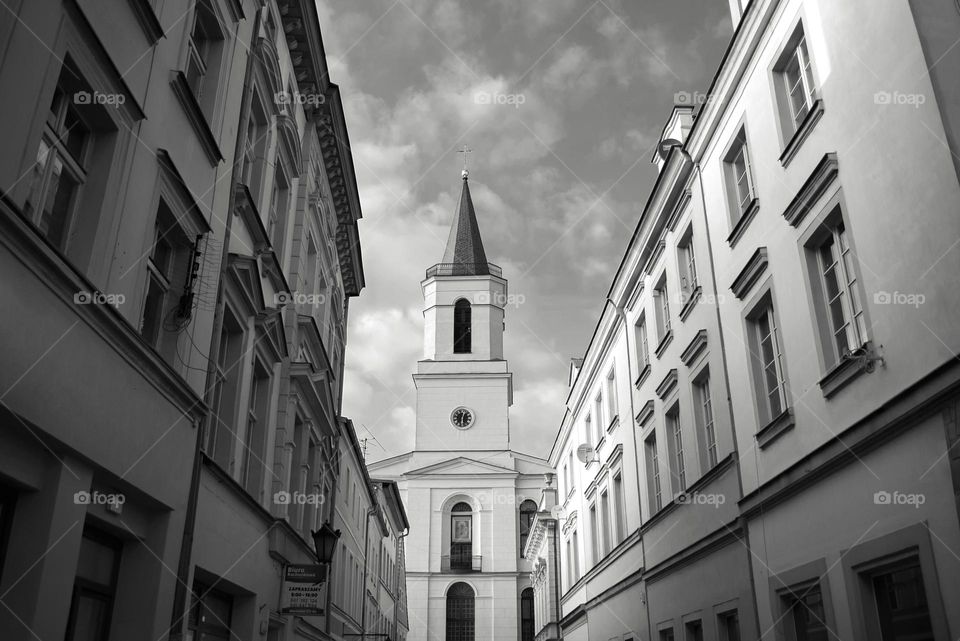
[464, 269]
[461, 563]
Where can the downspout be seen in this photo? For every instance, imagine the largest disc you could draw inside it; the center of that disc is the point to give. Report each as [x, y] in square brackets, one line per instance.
[366, 556]
[186, 546]
[726, 376]
[396, 583]
[556, 573]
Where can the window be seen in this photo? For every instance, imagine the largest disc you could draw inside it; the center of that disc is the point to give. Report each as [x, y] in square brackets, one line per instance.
[619, 508]
[94, 587]
[728, 624]
[605, 523]
[570, 579]
[527, 625]
[837, 288]
[461, 327]
[795, 89]
[588, 429]
[566, 481]
[460, 613]
[653, 474]
[804, 614]
[204, 49]
[694, 630]
[688, 266]
[572, 484]
[251, 473]
[643, 344]
[704, 412]
[61, 168]
[528, 511]
[666, 634]
[738, 175]
[901, 603]
[675, 431]
[255, 148]
[662, 301]
[767, 361]
[461, 537]
[612, 413]
[576, 556]
[595, 533]
[598, 413]
[210, 614]
[167, 267]
[8, 499]
[276, 223]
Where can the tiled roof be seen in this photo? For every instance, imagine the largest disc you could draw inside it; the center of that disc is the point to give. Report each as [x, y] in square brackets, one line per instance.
[464, 246]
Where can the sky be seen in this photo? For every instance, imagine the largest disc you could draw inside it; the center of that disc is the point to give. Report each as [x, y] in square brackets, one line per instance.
[562, 103]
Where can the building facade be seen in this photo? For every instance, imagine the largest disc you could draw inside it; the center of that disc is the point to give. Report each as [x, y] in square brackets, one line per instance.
[470, 496]
[180, 226]
[779, 344]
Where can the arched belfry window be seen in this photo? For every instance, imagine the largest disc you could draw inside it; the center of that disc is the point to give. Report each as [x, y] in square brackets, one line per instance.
[527, 624]
[528, 510]
[461, 326]
[460, 612]
[461, 537]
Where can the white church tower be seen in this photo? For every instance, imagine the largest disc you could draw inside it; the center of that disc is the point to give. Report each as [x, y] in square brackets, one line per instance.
[470, 498]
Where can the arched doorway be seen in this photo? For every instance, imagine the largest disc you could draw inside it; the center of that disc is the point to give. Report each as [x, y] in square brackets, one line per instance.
[460, 612]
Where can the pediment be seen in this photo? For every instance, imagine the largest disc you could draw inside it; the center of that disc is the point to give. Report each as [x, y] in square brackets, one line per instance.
[461, 466]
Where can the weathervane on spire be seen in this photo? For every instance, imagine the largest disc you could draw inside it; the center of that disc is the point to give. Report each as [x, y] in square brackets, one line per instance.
[466, 150]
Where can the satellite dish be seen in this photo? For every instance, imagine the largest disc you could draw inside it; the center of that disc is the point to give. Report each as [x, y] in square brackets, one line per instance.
[663, 149]
[587, 454]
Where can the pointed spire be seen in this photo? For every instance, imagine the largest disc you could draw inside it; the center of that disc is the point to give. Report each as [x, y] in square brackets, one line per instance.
[464, 252]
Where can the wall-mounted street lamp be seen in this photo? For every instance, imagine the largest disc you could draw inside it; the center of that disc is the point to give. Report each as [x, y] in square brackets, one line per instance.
[325, 542]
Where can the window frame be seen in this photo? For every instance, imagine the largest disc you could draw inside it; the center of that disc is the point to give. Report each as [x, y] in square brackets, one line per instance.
[674, 427]
[740, 209]
[705, 419]
[764, 307]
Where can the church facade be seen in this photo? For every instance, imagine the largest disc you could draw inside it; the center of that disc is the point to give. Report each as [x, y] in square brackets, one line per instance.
[469, 496]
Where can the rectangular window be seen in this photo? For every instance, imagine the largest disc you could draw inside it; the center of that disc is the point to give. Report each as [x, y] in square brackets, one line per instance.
[675, 431]
[598, 415]
[767, 361]
[693, 630]
[277, 218]
[619, 508]
[704, 413]
[167, 266]
[222, 432]
[572, 471]
[901, 602]
[653, 474]
[840, 308]
[203, 55]
[687, 262]
[251, 474]
[661, 298]
[738, 175]
[612, 413]
[795, 89]
[588, 430]
[94, 586]
[606, 523]
[804, 614]
[643, 344]
[576, 556]
[595, 533]
[728, 624]
[666, 634]
[210, 614]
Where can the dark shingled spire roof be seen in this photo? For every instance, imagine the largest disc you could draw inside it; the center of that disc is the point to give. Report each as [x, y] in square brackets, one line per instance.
[464, 253]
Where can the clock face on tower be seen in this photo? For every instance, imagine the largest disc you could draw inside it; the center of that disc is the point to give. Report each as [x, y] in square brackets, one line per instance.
[462, 418]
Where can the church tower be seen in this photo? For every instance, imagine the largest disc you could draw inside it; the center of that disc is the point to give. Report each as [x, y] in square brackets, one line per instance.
[464, 389]
[470, 498]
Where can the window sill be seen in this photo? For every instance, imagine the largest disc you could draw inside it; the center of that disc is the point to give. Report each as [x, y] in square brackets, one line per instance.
[614, 422]
[802, 132]
[743, 222]
[664, 342]
[196, 117]
[644, 373]
[778, 426]
[691, 303]
[148, 20]
[846, 371]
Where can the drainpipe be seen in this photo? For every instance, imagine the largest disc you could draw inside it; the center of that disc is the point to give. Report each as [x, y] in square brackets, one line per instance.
[556, 572]
[726, 377]
[396, 583]
[366, 556]
[190, 521]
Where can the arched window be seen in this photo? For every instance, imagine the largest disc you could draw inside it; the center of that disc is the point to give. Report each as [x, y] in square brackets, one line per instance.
[461, 327]
[527, 624]
[528, 510]
[460, 612]
[461, 537]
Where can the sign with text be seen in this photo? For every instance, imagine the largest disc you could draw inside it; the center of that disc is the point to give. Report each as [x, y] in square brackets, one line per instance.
[304, 590]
